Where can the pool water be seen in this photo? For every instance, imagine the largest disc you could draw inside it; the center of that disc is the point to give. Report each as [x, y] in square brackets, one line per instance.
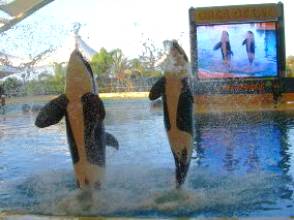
[243, 165]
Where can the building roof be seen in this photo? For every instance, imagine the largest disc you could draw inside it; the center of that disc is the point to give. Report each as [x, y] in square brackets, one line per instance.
[12, 12]
[62, 54]
[17, 10]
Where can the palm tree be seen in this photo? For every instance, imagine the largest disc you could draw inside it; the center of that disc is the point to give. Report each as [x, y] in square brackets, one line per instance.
[120, 69]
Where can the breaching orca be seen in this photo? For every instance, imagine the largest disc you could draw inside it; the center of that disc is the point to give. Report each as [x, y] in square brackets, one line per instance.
[177, 98]
[250, 46]
[84, 114]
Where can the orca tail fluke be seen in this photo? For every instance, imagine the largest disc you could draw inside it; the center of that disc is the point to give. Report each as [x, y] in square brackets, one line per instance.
[182, 167]
[181, 173]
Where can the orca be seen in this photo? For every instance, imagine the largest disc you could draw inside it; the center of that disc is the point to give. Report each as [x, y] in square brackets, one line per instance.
[176, 94]
[250, 46]
[84, 114]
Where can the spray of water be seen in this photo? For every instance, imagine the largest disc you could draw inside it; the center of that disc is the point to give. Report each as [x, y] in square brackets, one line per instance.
[137, 191]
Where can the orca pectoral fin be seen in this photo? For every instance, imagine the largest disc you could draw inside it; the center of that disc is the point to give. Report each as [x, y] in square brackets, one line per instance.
[111, 141]
[52, 112]
[157, 89]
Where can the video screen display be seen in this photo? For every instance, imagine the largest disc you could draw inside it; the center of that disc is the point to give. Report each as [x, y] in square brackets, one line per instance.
[237, 50]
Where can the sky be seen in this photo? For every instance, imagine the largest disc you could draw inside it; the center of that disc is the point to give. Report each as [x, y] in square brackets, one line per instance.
[124, 24]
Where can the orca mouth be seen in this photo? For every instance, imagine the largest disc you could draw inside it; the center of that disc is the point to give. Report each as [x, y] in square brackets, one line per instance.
[170, 45]
[88, 66]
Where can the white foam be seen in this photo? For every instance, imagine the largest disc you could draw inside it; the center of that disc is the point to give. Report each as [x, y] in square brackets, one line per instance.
[150, 190]
[168, 65]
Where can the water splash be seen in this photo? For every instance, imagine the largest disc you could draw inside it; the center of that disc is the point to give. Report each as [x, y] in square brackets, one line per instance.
[141, 191]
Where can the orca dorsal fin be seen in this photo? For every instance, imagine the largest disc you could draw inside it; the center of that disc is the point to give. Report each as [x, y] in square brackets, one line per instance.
[111, 140]
[52, 112]
[157, 89]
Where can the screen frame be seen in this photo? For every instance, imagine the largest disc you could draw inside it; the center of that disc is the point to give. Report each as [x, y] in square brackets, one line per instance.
[278, 19]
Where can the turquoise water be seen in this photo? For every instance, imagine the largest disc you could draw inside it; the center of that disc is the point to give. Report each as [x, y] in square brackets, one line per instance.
[243, 165]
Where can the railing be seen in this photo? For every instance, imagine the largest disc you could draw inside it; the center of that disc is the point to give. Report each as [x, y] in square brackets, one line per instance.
[107, 86]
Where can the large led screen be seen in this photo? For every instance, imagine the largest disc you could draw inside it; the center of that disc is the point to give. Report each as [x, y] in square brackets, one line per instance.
[245, 50]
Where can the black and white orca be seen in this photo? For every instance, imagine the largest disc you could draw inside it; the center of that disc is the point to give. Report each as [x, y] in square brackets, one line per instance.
[84, 114]
[177, 99]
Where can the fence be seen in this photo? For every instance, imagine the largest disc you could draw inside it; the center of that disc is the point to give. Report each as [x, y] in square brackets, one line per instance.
[105, 85]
